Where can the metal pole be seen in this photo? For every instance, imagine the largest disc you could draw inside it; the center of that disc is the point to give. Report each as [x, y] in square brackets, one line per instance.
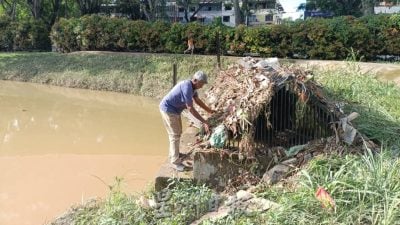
[218, 51]
[174, 73]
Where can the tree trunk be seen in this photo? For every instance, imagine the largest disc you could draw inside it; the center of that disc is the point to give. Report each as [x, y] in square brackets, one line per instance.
[55, 11]
[9, 8]
[238, 13]
[36, 8]
[367, 7]
[89, 6]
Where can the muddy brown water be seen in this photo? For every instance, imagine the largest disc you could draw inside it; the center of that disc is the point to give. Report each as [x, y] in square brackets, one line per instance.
[58, 147]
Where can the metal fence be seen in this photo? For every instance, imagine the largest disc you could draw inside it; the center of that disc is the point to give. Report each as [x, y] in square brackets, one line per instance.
[289, 120]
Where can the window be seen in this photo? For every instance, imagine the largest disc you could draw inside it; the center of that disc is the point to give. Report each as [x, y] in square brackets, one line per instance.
[252, 18]
[181, 9]
[192, 9]
[226, 19]
[209, 8]
[269, 18]
[228, 7]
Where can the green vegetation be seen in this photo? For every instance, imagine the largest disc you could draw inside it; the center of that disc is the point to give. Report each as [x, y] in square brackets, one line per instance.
[377, 102]
[182, 205]
[366, 190]
[147, 75]
[334, 38]
[27, 35]
[370, 36]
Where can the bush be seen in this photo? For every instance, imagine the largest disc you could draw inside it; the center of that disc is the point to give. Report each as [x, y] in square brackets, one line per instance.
[6, 35]
[23, 36]
[31, 35]
[313, 38]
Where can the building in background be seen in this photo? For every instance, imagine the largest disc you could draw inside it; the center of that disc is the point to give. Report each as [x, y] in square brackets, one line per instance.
[387, 7]
[260, 12]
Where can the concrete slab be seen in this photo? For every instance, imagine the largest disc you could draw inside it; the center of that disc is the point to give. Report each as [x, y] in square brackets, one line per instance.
[166, 172]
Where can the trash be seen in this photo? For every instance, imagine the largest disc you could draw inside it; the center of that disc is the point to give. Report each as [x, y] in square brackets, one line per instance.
[268, 63]
[326, 200]
[294, 150]
[349, 132]
[218, 137]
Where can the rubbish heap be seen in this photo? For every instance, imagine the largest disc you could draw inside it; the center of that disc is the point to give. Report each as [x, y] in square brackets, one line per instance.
[241, 92]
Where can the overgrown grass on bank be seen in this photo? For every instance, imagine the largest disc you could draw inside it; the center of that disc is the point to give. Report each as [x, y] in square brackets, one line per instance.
[366, 190]
[183, 204]
[146, 75]
[377, 102]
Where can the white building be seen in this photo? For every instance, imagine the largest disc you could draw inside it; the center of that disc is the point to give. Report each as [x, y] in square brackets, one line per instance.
[261, 12]
[386, 7]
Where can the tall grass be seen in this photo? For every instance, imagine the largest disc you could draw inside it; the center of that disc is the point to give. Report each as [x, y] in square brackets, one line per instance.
[377, 102]
[366, 190]
[186, 203]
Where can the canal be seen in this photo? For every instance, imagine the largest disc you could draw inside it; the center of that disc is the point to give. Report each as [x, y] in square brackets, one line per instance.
[61, 146]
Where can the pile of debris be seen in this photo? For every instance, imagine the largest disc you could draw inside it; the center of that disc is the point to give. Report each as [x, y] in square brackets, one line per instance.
[245, 91]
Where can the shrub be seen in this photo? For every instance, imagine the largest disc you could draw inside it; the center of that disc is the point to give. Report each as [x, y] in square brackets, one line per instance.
[313, 38]
[23, 36]
[6, 34]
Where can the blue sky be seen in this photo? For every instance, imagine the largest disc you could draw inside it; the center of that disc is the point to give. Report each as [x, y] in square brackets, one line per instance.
[290, 7]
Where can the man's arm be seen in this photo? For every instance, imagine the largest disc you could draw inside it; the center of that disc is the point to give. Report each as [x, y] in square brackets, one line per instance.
[196, 114]
[203, 105]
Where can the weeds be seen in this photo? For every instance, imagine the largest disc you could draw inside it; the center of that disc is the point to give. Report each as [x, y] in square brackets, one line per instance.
[376, 102]
[366, 190]
[184, 203]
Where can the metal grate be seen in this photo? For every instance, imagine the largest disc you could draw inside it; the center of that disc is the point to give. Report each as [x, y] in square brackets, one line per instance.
[288, 121]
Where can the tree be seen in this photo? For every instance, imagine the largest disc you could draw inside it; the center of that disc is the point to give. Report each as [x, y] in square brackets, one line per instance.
[343, 7]
[36, 8]
[337, 7]
[89, 6]
[9, 7]
[153, 9]
[130, 8]
[187, 4]
[239, 18]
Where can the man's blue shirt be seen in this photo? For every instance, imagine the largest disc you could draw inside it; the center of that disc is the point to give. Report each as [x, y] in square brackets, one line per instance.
[177, 99]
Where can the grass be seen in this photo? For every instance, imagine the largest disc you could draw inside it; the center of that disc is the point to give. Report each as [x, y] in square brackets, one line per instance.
[181, 205]
[377, 102]
[366, 190]
[146, 75]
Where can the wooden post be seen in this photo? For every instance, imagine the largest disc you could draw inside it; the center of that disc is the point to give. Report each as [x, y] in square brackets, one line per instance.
[218, 51]
[174, 74]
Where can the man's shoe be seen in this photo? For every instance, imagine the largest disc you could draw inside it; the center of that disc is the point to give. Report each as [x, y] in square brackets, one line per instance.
[178, 167]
